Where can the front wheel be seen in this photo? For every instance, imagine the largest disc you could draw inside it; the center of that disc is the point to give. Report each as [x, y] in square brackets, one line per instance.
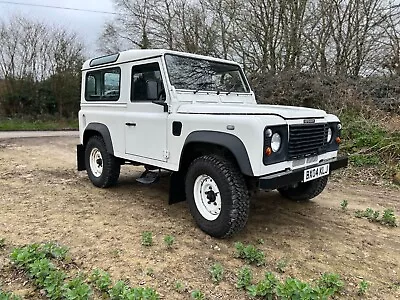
[217, 196]
[304, 191]
[102, 167]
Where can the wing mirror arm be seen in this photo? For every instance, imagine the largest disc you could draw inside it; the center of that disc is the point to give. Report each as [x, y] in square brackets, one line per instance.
[162, 103]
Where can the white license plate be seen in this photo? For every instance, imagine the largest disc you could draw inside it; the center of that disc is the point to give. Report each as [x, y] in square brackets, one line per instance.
[316, 172]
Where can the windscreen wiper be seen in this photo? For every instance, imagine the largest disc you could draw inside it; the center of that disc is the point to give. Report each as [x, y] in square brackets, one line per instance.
[201, 86]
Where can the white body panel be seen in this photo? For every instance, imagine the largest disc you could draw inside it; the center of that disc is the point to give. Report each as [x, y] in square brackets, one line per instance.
[151, 140]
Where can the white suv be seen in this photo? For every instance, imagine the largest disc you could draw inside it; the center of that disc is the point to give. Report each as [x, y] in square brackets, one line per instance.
[197, 117]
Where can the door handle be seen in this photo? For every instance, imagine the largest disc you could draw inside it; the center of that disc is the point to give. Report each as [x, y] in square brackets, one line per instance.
[130, 124]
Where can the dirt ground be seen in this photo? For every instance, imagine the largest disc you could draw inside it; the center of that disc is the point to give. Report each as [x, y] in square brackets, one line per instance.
[43, 198]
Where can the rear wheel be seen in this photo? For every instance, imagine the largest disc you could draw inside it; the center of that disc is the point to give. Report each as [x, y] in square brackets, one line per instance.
[217, 196]
[305, 191]
[102, 167]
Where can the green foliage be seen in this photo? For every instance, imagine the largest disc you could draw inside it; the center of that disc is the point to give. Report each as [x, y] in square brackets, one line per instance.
[179, 287]
[368, 143]
[280, 266]
[251, 254]
[149, 272]
[53, 284]
[121, 291]
[265, 288]
[260, 241]
[8, 296]
[344, 204]
[217, 273]
[389, 217]
[198, 295]
[54, 250]
[331, 281]
[101, 280]
[76, 289]
[244, 278]
[24, 256]
[169, 240]
[294, 289]
[118, 291]
[363, 287]
[32, 124]
[40, 269]
[147, 238]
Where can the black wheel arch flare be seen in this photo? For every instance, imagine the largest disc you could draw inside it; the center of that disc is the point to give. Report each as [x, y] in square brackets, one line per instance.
[229, 141]
[99, 129]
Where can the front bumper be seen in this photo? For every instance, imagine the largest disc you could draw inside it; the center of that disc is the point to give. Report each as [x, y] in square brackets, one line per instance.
[290, 177]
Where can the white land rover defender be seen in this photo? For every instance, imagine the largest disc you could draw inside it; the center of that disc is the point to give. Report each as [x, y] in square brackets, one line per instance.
[197, 117]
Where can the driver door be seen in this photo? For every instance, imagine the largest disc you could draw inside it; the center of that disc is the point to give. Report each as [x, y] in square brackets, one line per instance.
[146, 121]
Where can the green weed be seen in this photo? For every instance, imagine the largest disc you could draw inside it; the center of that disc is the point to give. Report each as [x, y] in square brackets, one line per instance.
[251, 254]
[280, 266]
[8, 296]
[331, 281]
[344, 204]
[147, 238]
[101, 280]
[198, 295]
[150, 272]
[76, 289]
[217, 273]
[363, 287]
[265, 288]
[389, 218]
[260, 241]
[54, 250]
[244, 278]
[179, 286]
[293, 288]
[169, 240]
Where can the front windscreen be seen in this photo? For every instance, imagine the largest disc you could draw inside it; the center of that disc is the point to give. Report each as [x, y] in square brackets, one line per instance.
[188, 73]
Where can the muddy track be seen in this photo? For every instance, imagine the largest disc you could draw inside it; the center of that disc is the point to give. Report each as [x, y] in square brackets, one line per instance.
[43, 198]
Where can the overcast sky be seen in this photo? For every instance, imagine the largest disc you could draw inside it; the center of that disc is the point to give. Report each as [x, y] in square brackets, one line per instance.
[87, 24]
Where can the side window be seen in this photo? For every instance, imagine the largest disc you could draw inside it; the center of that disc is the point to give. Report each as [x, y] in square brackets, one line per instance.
[103, 85]
[147, 84]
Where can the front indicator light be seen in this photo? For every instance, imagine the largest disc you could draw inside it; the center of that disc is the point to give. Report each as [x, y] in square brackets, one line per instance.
[268, 151]
[338, 140]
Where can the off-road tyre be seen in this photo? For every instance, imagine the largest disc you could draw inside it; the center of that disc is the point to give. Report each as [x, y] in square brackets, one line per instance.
[234, 196]
[111, 167]
[305, 191]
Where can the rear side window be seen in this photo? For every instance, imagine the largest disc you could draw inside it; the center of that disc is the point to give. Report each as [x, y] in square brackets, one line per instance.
[147, 84]
[103, 85]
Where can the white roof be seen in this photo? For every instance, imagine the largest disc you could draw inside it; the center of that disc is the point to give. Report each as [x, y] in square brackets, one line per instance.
[138, 54]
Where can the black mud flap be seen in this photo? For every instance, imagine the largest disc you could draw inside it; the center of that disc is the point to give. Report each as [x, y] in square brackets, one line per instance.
[80, 157]
[177, 188]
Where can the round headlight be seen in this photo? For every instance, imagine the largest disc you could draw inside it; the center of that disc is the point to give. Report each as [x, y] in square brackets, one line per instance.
[276, 141]
[329, 138]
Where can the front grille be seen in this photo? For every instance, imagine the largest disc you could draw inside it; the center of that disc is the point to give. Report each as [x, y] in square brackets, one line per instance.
[307, 140]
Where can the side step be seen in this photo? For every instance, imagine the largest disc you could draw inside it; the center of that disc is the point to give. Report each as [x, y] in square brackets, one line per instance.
[149, 177]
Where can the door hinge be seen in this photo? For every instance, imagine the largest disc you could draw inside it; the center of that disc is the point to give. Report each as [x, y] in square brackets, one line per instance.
[166, 154]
